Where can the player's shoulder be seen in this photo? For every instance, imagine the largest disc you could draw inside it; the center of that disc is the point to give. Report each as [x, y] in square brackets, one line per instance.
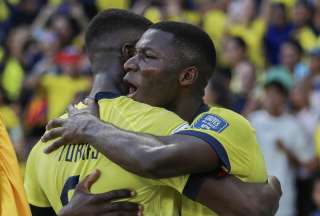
[130, 105]
[228, 116]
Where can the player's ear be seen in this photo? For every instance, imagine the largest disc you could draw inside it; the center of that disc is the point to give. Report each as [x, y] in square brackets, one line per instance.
[188, 76]
[128, 50]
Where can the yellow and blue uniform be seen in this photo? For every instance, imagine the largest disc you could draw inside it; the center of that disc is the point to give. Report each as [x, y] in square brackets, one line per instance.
[71, 163]
[234, 141]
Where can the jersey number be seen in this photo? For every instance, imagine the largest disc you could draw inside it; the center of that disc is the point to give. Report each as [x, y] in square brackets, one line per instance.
[70, 184]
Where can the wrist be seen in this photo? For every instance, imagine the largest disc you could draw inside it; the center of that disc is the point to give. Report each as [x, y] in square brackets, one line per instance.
[95, 132]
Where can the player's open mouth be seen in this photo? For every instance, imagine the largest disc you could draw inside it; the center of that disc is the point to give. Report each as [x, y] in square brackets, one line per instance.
[132, 90]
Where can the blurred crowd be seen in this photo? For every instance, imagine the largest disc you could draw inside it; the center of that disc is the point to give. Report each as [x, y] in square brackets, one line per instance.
[268, 71]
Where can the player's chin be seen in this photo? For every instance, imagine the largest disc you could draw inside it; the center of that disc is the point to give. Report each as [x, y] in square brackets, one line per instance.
[137, 97]
[133, 95]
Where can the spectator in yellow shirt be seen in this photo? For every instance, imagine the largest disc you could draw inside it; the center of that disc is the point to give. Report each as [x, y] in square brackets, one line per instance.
[61, 89]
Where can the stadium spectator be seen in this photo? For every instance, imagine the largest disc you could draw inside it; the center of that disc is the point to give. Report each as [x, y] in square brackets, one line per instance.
[302, 14]
[61, 88]
[309, 35]
[307, 119]
[291, 54]
[248, 20]
[235, 51]
[278, 31]
[244, 100]
[313, 79]
[284, 143]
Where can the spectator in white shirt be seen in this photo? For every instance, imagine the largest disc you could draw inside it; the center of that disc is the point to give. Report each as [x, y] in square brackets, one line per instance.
[282, 140]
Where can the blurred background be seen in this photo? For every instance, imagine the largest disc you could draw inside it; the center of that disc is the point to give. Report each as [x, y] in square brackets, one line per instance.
[268, 71]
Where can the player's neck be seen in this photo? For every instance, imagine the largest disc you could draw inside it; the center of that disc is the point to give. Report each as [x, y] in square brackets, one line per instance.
[107, 78]
[186, 107]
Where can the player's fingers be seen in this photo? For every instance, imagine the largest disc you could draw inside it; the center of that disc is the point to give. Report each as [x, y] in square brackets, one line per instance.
[52, 134]
[92, 106]
[71, 110]
[113, 195]
[55, 145]
[275, 184]
[88, 101]
[88, 181]
[122, 206]
[55, 123]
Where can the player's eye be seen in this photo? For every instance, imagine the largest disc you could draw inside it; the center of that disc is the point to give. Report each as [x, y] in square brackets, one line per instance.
[149, 55]
[132, 52]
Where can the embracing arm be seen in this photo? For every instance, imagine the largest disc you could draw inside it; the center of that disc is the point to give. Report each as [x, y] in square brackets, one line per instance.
[155, 157]
[152, 156]
[230, 196]
[142, 154]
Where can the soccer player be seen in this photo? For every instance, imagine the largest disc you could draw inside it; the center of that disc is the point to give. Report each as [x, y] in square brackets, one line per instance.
[191, 80]
[12, 196]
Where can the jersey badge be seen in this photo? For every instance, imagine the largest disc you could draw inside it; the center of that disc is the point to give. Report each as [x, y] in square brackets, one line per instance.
[211, 122]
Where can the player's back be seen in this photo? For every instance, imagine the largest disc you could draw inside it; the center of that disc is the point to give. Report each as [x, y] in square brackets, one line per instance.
[58, 173]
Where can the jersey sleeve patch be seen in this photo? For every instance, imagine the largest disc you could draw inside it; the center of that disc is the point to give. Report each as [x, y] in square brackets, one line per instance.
[211, 122]
[105, 95]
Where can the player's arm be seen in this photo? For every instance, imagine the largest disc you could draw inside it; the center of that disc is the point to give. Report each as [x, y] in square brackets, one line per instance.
[143, 154]
[162, 157]
[230, 196]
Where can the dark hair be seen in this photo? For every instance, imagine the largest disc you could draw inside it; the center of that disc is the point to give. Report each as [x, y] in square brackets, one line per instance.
[194, 44]
[240, 42]
[221, 91]
[297, 46]
[112, 20]
[279, 86]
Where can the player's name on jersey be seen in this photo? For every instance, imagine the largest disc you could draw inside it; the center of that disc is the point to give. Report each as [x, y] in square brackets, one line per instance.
[74, 153]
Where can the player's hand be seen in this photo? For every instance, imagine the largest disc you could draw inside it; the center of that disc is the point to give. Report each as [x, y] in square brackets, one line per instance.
[78, 128]
[271, 195]
[83, 203]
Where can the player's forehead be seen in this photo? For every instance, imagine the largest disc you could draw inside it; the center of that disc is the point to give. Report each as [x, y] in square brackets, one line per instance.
[155, 39]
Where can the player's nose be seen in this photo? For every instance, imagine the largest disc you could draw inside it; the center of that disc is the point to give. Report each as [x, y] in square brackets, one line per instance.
[131, 65]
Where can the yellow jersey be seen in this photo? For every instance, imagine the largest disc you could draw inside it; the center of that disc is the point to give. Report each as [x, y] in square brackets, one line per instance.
[233, 139]
[13, 201]
[71, 163]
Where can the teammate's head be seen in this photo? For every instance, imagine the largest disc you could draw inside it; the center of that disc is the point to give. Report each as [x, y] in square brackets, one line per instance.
[172, 60]
[113, 33]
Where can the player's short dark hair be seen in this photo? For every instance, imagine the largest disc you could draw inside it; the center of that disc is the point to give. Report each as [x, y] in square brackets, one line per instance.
[194, 44]
[112, 20]
[279, 86]
[239, 42]
[296, 45]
